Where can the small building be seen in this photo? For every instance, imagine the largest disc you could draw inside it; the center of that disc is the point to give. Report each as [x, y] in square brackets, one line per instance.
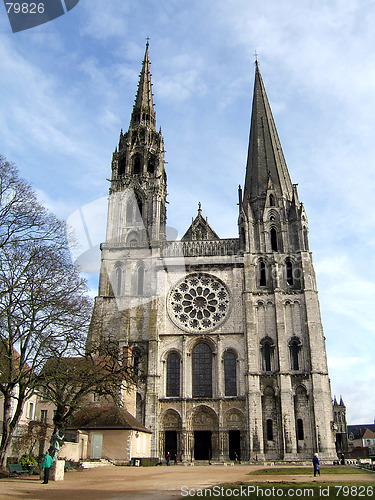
[108, 432]
[362, 436]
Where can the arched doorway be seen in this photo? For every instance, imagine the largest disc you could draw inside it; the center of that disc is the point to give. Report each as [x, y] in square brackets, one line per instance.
[204, 434]
[235, 443]
[170, 436]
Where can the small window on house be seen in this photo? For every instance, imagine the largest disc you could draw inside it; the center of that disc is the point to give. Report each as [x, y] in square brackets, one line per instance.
[43, 416]
[273, 240]
[269, 430]
[31, 410]
[289, 273]
[262, 274]
[96, 397]
[300, 433]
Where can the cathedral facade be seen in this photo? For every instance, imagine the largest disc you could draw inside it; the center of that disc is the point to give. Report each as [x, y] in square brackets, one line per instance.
[226, 333]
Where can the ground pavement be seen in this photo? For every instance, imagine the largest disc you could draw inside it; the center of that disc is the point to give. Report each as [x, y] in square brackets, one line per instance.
[144, 483]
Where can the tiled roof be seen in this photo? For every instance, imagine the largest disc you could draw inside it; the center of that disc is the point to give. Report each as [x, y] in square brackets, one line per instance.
[106, 417]
[358, 431]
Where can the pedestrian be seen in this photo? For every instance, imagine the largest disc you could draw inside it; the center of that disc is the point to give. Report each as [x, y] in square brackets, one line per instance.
[46, 465]
[175, 458]
[342, 459]
[316, 465]
[168, 458]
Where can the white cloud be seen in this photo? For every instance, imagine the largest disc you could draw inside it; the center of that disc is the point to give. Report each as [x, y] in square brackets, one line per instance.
[67, 91]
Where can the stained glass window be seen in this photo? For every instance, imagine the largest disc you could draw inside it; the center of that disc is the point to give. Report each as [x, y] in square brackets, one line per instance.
[202, 371]
[230, 374]
[300, 433]
[173, 375]
[269, 430]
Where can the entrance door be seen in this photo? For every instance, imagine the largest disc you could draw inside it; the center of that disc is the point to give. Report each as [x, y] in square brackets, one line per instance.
[171, 443]
[96, 445]
[234, 445]
[202, 445]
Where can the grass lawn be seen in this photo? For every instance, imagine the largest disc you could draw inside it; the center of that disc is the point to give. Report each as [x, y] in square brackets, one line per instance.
[287, 490]
[307, 471]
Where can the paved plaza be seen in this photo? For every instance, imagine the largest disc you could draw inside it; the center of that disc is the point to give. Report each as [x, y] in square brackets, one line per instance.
[154, 483]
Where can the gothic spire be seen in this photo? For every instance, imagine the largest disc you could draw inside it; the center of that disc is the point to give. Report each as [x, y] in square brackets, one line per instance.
[265, 156]
[143, 111]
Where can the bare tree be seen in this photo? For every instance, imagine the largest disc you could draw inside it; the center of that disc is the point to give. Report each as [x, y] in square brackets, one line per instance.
[43, 299]
[67, 381]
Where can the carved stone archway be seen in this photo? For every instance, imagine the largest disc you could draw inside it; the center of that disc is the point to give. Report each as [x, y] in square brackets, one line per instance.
[170, 436]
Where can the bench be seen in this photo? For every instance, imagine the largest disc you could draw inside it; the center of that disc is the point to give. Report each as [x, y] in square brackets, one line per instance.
[17, 468]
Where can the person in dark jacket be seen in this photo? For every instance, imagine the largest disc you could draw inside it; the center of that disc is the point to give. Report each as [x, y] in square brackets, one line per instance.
[316, 464]
[46, 465]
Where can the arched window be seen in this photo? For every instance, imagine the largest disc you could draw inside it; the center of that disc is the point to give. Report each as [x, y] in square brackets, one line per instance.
[230, 374]
[140, 279]
[267, 356]
[173, 375]
[273, 240]
[139, 407]
[269, 430]
[289, 273]
[242, 239]
[136, 361]
[118, 281]
[294, 353]
[300, 433]
[137, 165]
[262, 274]
[202, 371]
[272, 200]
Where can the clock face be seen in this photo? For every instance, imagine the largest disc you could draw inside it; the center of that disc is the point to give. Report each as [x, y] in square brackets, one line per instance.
[200, 302]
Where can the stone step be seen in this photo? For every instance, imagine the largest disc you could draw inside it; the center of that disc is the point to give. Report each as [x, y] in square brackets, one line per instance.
[90, 464]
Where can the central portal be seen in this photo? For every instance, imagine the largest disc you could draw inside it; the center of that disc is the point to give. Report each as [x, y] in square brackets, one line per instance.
[202, 445]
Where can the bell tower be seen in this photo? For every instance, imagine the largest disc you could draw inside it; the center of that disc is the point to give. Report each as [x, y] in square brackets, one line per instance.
[284, 333]
[136, 211]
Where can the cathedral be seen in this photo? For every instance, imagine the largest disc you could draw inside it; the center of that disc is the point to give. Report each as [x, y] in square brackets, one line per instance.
[226, 334]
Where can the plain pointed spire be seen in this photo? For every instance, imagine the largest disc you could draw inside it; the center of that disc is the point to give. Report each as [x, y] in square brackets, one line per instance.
[265, 156]
[143, 111]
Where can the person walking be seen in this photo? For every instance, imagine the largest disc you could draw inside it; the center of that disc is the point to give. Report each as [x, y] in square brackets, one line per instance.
[46, 465]
[316, 464]
[168, 458]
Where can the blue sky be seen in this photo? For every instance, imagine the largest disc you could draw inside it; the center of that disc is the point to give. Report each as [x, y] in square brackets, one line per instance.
[68, 87]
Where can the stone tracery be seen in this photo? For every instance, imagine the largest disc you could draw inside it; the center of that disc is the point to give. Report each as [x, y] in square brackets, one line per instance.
[200, 301]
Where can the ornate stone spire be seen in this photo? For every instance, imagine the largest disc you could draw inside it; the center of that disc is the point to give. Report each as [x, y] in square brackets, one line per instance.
[265, 156]
[143, 111]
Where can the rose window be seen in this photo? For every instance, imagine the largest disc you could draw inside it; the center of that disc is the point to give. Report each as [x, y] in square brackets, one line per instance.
[198, 302]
